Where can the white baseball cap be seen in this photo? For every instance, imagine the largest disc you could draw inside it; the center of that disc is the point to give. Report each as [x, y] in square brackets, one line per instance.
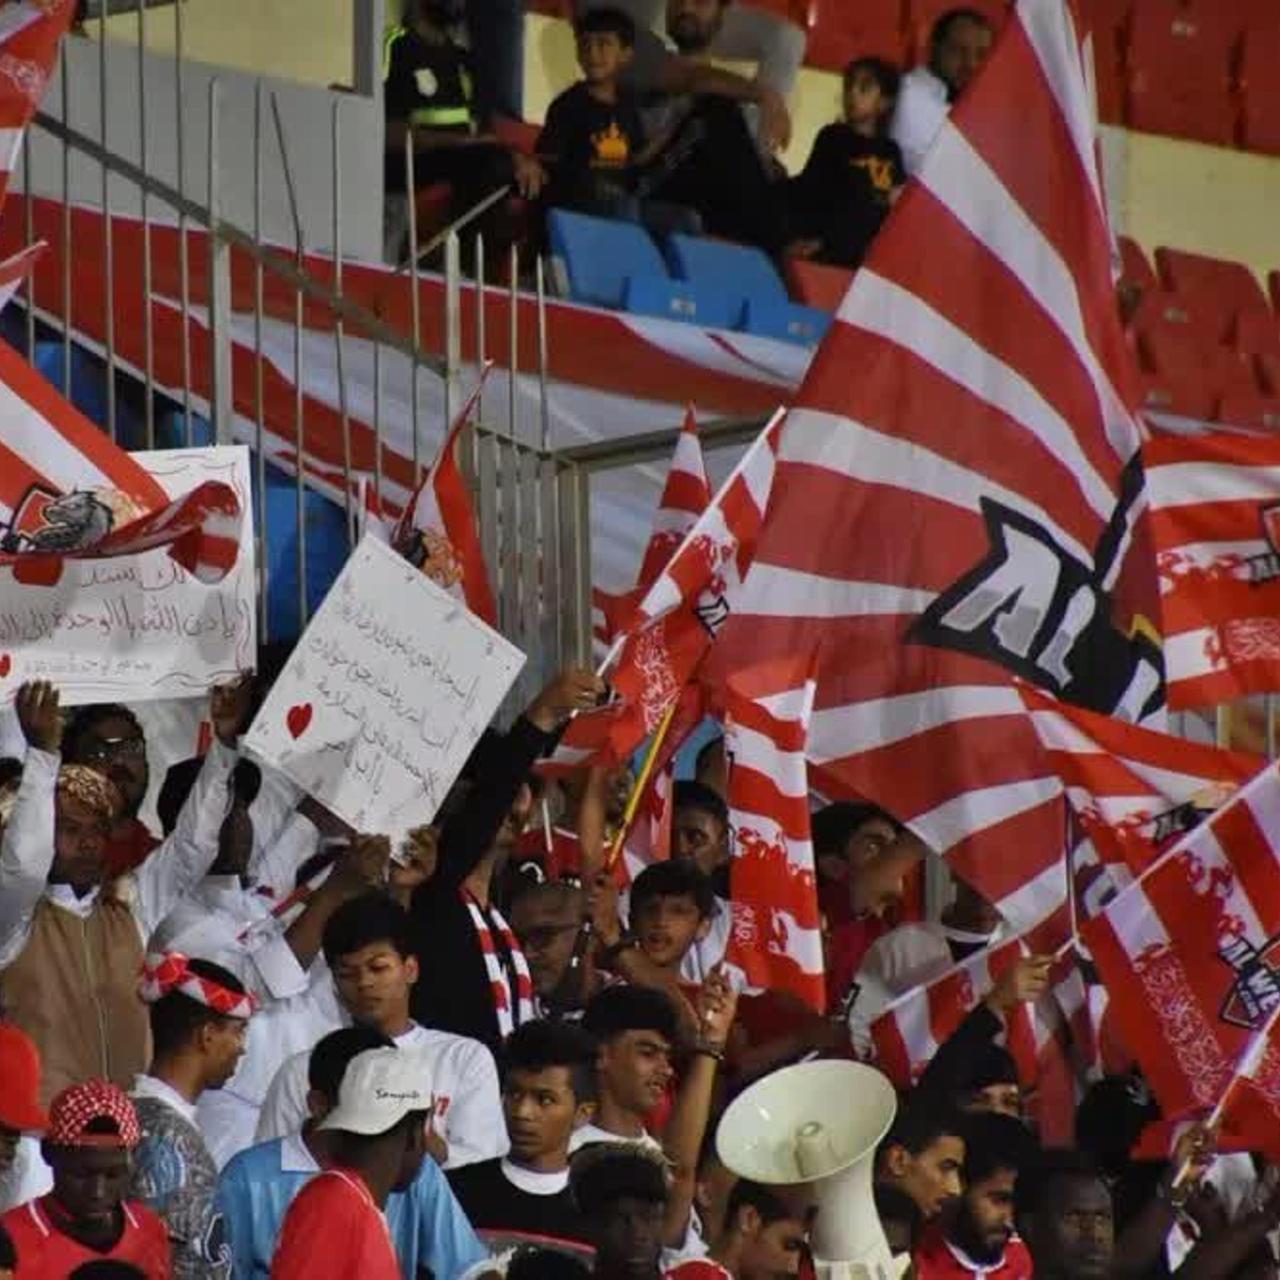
[379, 1088]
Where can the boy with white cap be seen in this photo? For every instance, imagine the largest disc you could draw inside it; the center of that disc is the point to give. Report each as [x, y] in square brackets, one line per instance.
[335, 1227]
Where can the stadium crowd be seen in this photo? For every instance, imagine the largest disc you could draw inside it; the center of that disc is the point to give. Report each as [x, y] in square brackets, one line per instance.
[210, 1073]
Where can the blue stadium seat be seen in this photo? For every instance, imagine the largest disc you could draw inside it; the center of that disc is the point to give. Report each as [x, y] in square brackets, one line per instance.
[746, 274]
[704, 305]
[601, 257]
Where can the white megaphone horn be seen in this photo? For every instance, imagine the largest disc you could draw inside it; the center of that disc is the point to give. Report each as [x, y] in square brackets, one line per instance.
[819, 1123]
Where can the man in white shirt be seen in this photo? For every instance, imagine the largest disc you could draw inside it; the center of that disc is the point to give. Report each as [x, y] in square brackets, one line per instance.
[958, 46]
[199, 1013]
[366, 948]
[54, 911]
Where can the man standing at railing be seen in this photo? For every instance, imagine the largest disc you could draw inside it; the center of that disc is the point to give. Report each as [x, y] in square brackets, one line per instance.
[429, 88]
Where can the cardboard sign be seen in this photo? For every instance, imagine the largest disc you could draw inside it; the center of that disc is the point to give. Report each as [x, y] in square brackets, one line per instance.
[384, 696]
[137, 628]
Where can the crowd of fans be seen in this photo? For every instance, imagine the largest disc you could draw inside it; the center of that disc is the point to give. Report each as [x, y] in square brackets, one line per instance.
[658, 132]
[267, 1045]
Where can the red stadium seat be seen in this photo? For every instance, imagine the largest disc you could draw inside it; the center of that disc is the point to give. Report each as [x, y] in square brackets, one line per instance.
[1257, 411]
[1257, 333]
[1171, 348]
[1273, 287]
[1181, 394]
[1269, 374]
[1231, 373]
[1168, 307]
[1108, 20]
[842, 31]
[1217, 288]
[1135, 268]
[1259, 85]
[1179, 71]
[816, 284]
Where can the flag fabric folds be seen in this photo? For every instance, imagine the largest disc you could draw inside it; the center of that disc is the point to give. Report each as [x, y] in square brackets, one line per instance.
[959, 495]
[775, 937]
[1215, 517]
[1190, 954]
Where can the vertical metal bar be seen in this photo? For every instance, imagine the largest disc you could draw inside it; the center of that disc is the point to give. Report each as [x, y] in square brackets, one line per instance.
[513, 338]
[551, 632]
[66, 227]
[299, 443]
[1269, 710]
[575, 545]
[509, 532]
[184, 264]
[221, 408]
[452, 324]
[108, 256]
[28, 235]
[338, 328]
[488, 448]
[259, 390]
[544, 404]
[415, 302]
[377, 421]
[482, 349]
[148, 333]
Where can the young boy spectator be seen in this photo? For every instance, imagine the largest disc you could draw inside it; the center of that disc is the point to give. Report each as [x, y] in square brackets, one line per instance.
[700, 834]
[368, 951]
[622, 1194]
[430, 1232]
[199, 1013]
[979, 1242]
[334, 1228]
[853, 173]
[762, 1240]
[958, 46]
[592, 134]
[93, 1128]
[55, 907]
[548, 1092]
[923, 1155]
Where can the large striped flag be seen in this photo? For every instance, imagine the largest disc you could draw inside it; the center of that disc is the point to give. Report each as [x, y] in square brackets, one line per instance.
[68, 492]
[1190, 954]
[1215, 516]
[959, 497]
[685, 608]
[775, 938]
[438, 532]
[685, 496]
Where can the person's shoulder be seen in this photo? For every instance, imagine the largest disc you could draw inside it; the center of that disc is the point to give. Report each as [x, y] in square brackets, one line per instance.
[253, 1162]
[470, 1177]
[436, 1042]
[921, 82]
[697, 1269]
[145, 1220]
[569, 97]
[1017, 1261]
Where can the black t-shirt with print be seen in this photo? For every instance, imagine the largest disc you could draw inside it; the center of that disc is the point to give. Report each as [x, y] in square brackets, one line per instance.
[843, 194]
[586, 143]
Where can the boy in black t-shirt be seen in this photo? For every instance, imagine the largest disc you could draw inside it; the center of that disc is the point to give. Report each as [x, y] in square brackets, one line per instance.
[854, 172]
[593, 137]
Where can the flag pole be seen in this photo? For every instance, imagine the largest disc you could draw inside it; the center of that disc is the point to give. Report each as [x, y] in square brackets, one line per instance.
[642, 780]
[1249, 1061]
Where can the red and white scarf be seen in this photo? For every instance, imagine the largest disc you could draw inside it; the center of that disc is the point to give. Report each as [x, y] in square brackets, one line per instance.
[512, 1009]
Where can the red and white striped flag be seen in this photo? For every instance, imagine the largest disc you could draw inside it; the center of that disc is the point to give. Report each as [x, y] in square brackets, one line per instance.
[67, 492]
[685, 496]
[910, 1030]
[30, 33]
[1190, 954]
[1215, 516]
[678, 618]
[1133, 791]
[775, 939]
[438, 530]
[959, 498]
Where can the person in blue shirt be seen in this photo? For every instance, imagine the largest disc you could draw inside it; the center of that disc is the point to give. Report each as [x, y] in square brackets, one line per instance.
[430, 1232]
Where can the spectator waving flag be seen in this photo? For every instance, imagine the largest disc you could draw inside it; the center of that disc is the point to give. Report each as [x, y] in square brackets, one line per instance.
[438, 531]
[1190, 954]
[685, 496]
[775, 940]
[959, 498]
[910, 1030]
[68, 492]
[1215, 504]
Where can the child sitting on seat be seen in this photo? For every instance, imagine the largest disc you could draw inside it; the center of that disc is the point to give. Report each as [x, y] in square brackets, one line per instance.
[854, 172]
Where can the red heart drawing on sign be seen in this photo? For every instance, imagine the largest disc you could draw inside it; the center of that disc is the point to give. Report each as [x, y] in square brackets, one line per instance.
[5, 663]
[297, 718]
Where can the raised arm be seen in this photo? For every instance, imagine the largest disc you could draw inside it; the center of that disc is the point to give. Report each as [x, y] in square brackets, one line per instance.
[26, 852]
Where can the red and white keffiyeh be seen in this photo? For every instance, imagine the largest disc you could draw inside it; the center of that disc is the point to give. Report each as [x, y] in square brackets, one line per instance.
[162, 975]
[513, 1009]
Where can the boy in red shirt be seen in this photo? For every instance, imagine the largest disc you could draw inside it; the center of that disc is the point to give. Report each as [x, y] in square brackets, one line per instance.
[978, 1241]
[86, 1218]
[335, 1228]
